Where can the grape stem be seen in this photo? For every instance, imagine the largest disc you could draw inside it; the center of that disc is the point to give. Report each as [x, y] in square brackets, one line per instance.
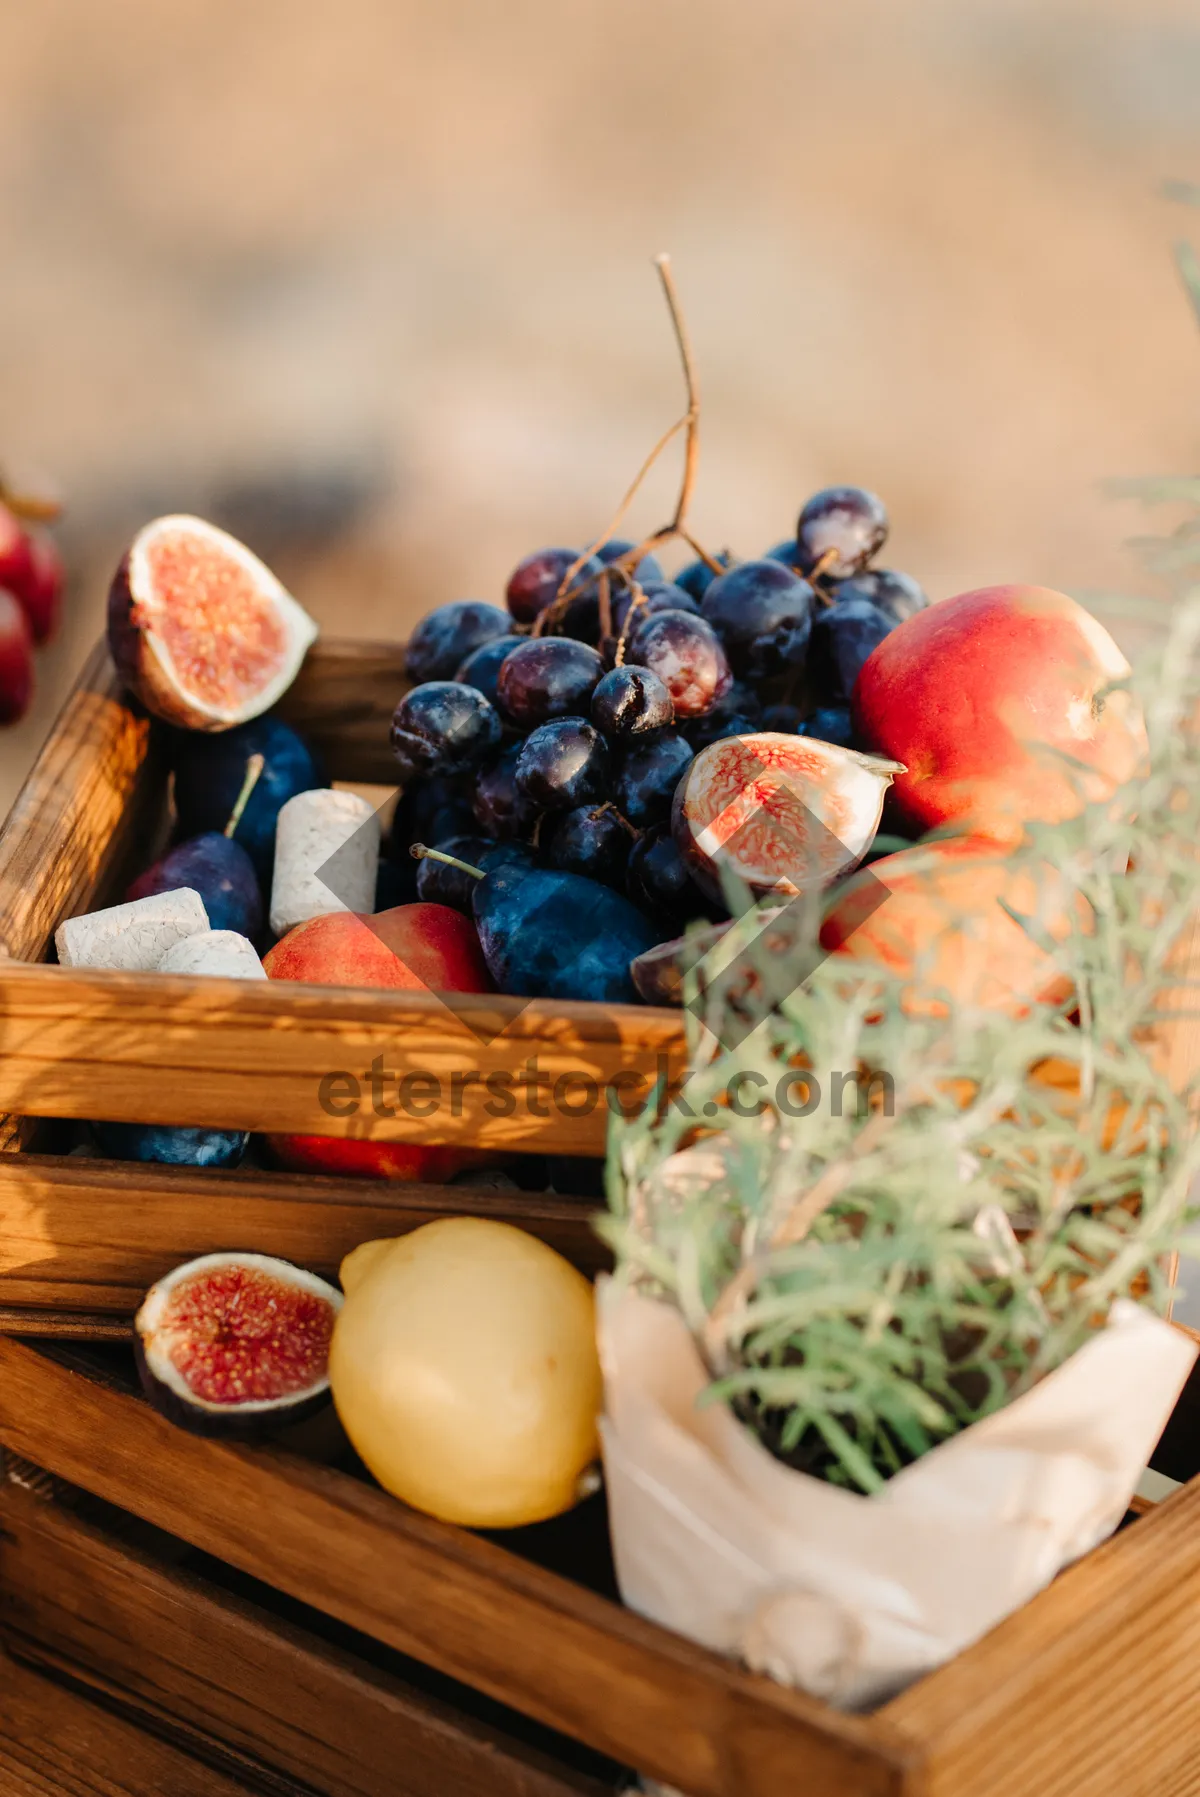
[419, 852]
[690, 422]
[254, 768]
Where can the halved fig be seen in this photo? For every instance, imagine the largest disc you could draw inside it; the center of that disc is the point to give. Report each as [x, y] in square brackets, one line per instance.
[200, 630]
[752, 961]
[787, 814]
[236, 1344]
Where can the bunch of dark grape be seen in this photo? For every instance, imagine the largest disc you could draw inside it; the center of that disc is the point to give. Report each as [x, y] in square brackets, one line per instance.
[558, 727]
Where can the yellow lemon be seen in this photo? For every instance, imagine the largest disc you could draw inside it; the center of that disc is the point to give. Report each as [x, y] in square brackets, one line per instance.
[465, 1372]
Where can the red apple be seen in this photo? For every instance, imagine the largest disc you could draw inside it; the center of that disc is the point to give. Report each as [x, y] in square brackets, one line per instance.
[998, 704]
[42, 597]
[944, 925]
[412, 948]
[16, 555]
[16, 660]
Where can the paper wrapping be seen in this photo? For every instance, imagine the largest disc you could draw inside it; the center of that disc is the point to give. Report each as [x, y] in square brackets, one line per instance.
[852, 1597]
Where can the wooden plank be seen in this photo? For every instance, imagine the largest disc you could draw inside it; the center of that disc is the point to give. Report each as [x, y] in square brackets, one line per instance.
[62, 1325]
[532, 1640]
[173, 1645]
[87, 800]
[342, 700]
[89, 1236]
[53, 1742]
[159, 1048]
[1093, 1687]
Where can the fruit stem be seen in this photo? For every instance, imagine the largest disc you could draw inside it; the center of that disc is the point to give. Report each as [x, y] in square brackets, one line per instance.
[419, 852]
[692, 416]
[254, 768]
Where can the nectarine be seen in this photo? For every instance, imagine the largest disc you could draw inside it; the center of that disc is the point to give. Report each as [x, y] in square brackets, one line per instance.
[411, 948]
[998, 703]
[945, 926]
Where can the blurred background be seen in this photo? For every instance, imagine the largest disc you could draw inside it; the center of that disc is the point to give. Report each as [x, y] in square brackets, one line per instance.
[370, 282]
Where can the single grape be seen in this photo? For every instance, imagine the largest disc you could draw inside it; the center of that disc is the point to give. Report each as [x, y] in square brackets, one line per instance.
[429, 810]
[448, 634]
[843, 636]
[702, 731]
[440, 884]
[697, 576]
[787, 552]
[534, 582]
[649, 568]
[782, 718]
[631, 701]
[898, 596]
[648, 776]
[763, 614]
[501, 810]
[657, 879]
[483, 664]
[592, 840]
[547, 677]
[686, 654]
[563, 764]
[846, 524]
[830, 724]
[630, 609]
[442, 727]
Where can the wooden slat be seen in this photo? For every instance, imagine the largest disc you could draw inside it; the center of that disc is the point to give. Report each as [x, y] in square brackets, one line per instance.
[159, 1048]
[83, 806]
[342, 700]
[524, 1636]
[1093, 1687]
[56, 1744]
[172, 1645]
[89, 1236]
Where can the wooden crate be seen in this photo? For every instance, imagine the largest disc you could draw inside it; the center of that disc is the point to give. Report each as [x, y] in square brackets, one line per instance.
[152, 1048]
[77, 1250]
[375, 1648]
[1091, 1688]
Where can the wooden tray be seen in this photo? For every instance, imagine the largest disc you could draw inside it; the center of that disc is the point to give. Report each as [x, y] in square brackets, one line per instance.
[151, 1048]
[1091, 1688]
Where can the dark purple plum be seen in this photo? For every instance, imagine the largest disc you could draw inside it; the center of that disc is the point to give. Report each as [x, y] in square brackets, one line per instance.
[483, 665]
[649, 568]
[843, 636]
[220, 870]
[563, 764]
[592, 840]
[658, 882]
[631, 701]
[501, 811]
[547, 677]
[442, 727]
[547, 934]
[839, 530]
[171, 1146]
[445, 637]
[898, 596]
[534, 582]
[210, 772]
[697, 576]
[763, 614]
[830, 724]
[648, 776]
[686, 654]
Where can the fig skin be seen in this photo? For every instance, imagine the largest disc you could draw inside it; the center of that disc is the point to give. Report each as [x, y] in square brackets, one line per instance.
[254, 1427]
[142, 673]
